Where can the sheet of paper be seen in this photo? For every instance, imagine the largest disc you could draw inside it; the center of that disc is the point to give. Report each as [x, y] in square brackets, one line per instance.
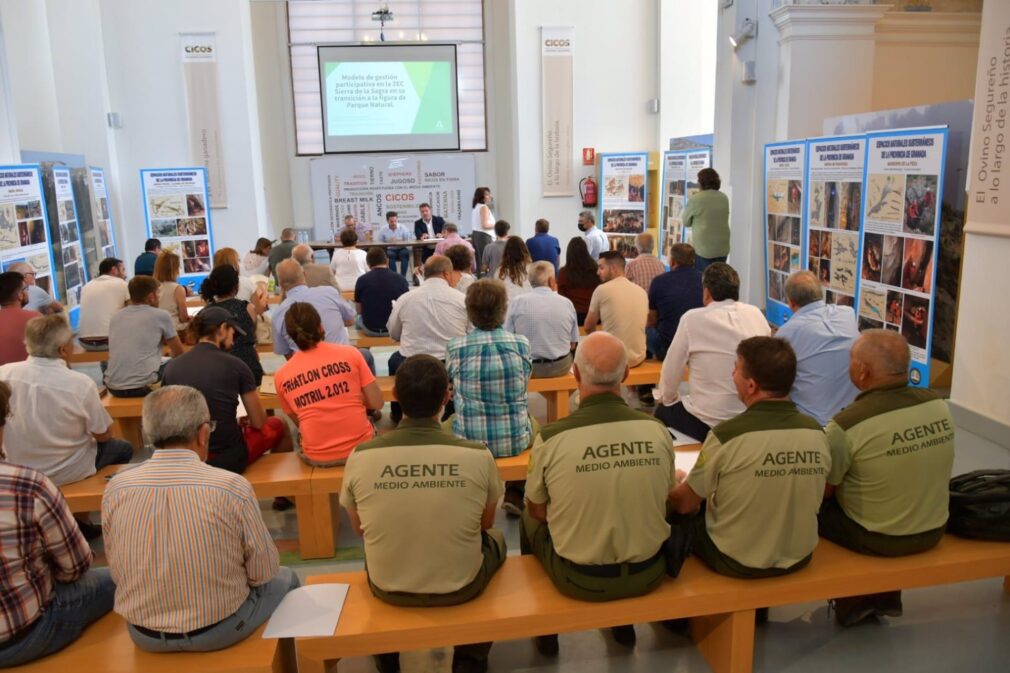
[308, 611]
[268, 387]
[240, 411]
[685, 460]
[680, 439]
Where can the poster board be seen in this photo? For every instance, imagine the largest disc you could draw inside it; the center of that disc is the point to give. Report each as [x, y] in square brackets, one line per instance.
[369, 186]
[24, 224]
[784, 172]
[903, 192]
[623, 210]
[674, 190]
[832, 221]
[176, 211]
[72, 258]
[105, 232]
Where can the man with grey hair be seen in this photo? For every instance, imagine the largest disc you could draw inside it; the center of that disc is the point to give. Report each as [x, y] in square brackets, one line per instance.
[548, 320]
[61, 428]
[282, 250]
[822, 336]
[602, 477]
[643, 269]
[197, 529]
[315, 274]
[38, 299]
[596, 240]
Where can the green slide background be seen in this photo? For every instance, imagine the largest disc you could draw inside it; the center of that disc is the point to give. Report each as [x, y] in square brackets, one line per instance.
[432, 84]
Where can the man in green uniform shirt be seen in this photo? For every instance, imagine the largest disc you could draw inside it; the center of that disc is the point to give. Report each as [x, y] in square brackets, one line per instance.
[706, 215]
[597, 490]
[425, 501]
[892, 452]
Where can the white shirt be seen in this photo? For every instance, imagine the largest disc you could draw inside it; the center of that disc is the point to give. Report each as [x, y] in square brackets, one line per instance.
[513, 290]
[424, 319]
[596, 241]
[706, 341]
[246, 288]
[477, 223]
[348, 264]
[100, 298]
[430, 226]
[54, 411]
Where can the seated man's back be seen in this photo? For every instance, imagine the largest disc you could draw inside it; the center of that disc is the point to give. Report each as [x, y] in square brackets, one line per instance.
[376, 291]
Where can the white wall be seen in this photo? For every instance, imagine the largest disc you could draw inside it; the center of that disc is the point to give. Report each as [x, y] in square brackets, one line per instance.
[687, 54]
[30, 67]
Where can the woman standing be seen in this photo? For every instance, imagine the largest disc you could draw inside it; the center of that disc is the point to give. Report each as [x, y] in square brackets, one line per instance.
[257, 261]
[348, 263]
[481, 223]
[512, 270]
[707, 213]
[577, 278]
[171, 295]
[221, 289]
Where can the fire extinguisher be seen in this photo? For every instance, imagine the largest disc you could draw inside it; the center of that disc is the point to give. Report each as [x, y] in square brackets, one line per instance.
[587, 187]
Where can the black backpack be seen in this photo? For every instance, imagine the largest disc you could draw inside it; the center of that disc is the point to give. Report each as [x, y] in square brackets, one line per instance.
[980, 505]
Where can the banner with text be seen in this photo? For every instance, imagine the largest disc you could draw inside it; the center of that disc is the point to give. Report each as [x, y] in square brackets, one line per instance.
[175, 208]
[105, 233]
[674, 190]
[199, 68]
[556, 58]
[75, 269]
[784, 171]
[24, 224]
[623, 198]
[900, 240]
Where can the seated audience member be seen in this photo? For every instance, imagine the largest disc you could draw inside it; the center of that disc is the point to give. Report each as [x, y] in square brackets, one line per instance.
[101, 297]
[247, 287]
[888, 488]
[220, 288]
[257, 261]
[512, 268]
[424, 320]
[394, 233]
[578, 278]
[451, 237]
[171, 295]
[490, 369]
[493, 252]
[348, 263]
[644, 268]
[195, 528]
[282, 250]
[822, 336]
[326, 389]
[596, 240]
[619, 307]
[144, 264]
[13, 317]
[137, 334]
[50, 591]
[336, 312]
[671, 295]
[755, 521]
[578, 521]
[375, 292]
[445, 531]
[426, 227]
[315, 274]
[706, 341]
[60, 427]
[542, 246]
[461, 257]
[547, 320]
[222, 379]
[38, 299]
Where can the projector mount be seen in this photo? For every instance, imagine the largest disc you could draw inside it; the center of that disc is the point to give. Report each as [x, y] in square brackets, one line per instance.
[383, 16]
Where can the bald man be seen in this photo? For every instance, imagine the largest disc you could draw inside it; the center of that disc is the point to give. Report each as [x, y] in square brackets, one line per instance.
[892, 451]
[597, 490]
[822, 336]
[316, 275]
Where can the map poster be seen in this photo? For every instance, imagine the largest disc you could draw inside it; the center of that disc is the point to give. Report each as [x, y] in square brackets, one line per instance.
[175, 207]
[75, 268]
[623, 199]
[105, 234]
[696, 160]
[832, 215]
[674, 186]
[24, 224]
[784, 171]
[898, 253]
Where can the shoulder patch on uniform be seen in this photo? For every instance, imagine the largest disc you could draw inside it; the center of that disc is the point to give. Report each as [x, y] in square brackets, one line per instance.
[759, 418]
[879, 402]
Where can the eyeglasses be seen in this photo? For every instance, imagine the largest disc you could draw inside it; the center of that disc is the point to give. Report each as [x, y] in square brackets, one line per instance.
[211, 424]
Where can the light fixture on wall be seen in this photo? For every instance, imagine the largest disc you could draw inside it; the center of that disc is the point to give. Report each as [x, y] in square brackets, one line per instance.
[748, 29]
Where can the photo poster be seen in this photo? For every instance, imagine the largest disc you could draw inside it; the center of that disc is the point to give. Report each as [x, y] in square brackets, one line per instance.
[623, 198]
[177, 213]
[24, 224]
[674, 186]
[784, 171]
[105, 233]
[72, 259]
[903, 187]
[832, 215]
[696, 160]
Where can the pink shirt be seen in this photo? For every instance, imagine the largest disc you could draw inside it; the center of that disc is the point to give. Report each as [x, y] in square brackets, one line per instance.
[12, 333]
[455, 239]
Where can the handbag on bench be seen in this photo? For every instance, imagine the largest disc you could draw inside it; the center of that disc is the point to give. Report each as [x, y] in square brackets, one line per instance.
[980, 505]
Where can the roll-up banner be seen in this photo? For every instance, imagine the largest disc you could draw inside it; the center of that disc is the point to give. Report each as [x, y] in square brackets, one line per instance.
[24, 224]
[903, 186]
[199, 68]
[75, 269]
[558, 150]
[105, 233]
[784, 171]
[674, 185]
[175, 208]
[623, 200]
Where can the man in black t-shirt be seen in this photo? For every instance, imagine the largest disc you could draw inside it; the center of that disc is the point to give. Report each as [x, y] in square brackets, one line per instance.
[375, 292]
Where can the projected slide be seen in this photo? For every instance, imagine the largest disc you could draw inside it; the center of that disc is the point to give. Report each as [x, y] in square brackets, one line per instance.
[389, 98]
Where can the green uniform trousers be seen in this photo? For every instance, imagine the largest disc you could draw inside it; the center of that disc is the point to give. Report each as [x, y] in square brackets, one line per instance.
[835, 525]
[589, 583]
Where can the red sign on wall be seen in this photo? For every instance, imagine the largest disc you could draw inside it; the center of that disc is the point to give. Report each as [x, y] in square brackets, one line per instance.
[588, 156]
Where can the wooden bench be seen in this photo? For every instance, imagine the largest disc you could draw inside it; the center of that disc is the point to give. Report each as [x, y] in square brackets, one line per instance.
[81, 356]
[106, 646]
[521, 602]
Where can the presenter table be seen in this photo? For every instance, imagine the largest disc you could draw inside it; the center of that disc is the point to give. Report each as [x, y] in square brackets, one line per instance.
[414, 245]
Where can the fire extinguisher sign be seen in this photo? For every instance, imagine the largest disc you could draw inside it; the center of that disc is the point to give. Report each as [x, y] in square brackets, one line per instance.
[623, 197]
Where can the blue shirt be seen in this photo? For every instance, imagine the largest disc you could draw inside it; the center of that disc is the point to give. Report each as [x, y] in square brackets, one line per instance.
[333, 309]
[376, 291]
[387, 235]
[38, 299]
[544, 248]
[546, 319]
[144, 266]
[671, 295]
[822, 336]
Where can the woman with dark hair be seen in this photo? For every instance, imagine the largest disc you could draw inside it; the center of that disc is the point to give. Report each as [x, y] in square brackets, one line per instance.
[220, 289]
[326, 389]
[707, 214]
[512, 270]
[257, 261]
[577, 278]
[481, 223]
[349, 262]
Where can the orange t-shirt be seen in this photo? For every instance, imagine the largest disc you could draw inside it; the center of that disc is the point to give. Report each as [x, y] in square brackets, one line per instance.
[322, 389]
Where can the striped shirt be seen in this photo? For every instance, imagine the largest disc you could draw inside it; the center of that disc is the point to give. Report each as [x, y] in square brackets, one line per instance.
[547, 320]
[39, 543]
[643, 270]
[184, 542]
[490, 370]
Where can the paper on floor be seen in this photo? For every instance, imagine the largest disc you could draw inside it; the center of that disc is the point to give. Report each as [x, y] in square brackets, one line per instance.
[308, 611]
